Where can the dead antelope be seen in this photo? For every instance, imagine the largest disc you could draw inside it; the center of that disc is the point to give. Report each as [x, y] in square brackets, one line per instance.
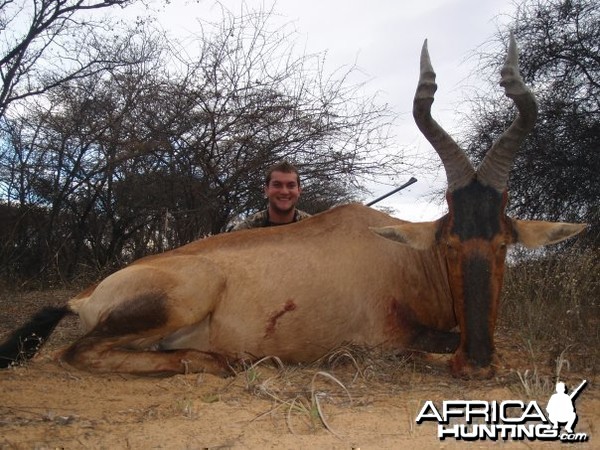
[348, 275]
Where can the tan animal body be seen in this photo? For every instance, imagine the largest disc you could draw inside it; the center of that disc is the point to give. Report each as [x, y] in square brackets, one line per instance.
[294, 292]
[298, 291]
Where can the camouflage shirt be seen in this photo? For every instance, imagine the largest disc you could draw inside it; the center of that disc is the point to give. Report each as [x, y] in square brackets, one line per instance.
[261, 219]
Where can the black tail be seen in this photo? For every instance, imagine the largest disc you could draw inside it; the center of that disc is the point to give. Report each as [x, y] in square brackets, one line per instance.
[23, 343]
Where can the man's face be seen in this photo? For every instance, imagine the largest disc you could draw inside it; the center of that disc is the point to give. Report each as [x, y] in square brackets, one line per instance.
[283, 191]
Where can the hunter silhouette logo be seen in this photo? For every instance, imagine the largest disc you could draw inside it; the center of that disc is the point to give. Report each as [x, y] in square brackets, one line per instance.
[561, 408]
[472, 420]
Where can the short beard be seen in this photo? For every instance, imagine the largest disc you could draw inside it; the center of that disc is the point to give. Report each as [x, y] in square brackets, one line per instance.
[280, 211]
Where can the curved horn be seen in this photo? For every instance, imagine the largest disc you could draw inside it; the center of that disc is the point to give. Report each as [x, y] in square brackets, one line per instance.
[496, 165]
[459, 170]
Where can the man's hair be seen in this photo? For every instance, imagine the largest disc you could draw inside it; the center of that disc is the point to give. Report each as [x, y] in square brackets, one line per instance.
[284, 167]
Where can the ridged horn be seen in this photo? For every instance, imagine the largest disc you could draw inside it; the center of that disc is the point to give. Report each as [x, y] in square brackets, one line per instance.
[459, 170]
[498, 161]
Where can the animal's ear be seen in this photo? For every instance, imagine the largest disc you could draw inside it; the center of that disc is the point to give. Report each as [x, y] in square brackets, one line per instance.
[420, 235]
[536, 233]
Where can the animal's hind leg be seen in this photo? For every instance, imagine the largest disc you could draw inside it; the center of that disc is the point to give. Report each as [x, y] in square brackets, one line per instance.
[98, 354]
[125, 338]
[122, 341]
[131, 312]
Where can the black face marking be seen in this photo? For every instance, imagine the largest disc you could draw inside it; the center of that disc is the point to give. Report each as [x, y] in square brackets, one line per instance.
[145, 312]
[477, 294]
[477, 212]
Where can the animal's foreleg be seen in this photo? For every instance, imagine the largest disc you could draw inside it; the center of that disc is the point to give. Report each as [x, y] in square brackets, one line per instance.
[434, 341]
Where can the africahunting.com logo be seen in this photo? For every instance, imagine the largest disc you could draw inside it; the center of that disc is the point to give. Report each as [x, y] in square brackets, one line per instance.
[507, 420]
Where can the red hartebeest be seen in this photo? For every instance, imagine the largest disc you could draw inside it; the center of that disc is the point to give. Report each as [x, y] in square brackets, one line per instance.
[298, 291]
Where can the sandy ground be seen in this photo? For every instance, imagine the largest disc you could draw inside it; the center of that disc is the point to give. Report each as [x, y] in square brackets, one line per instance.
[355, 399]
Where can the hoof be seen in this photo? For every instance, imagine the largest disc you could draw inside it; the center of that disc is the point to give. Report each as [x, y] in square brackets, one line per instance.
[461, 368]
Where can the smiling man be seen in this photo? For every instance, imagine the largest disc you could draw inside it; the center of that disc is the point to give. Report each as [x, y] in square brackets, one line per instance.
[282, 190]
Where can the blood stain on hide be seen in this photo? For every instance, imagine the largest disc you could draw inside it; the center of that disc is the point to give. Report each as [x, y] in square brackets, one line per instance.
[273, 318]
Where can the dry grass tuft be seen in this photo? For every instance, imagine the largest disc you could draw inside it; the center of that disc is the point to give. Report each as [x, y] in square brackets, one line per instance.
[551, 303]
[308, 396]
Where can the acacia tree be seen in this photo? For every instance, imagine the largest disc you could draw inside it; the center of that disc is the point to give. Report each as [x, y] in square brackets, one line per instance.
[59, 161]
[44, 43]
[256, 103]
[142, 158]
[555, 175]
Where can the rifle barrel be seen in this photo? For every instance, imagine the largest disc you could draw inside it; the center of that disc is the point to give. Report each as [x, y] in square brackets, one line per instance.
[405, 185]
[576, 391]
